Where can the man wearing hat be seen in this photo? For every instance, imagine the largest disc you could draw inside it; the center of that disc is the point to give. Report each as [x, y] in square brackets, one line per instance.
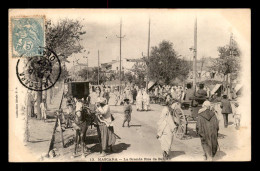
[105, 127]
[226, 109]
[127, 112]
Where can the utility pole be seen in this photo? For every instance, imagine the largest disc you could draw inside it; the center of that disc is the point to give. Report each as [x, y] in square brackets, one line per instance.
[147, 80]
[87, 68]
[228, 81]
[120, 37]
[195, 56]
[98, 67]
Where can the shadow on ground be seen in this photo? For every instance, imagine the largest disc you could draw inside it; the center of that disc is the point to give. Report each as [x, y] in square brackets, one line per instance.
[118, 148]
[38, 141]
[135, 125]
[230, 123]
[174, 154]
[221, 136]
[219, 155]
[192, 133]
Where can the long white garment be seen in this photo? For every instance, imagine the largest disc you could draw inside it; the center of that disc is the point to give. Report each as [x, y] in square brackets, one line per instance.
[146, 101]
[165, 130]
[139, 100]
[112, 99]
[43, 110]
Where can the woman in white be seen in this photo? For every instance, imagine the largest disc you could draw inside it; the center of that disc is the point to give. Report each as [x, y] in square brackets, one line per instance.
[146, 101]
[166, 128]
[139, 101]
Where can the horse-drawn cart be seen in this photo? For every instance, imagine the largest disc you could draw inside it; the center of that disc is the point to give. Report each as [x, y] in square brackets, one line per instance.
[84, 116]
[189, 114]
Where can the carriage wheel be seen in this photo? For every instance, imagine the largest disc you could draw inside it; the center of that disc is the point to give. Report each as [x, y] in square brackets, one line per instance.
[181, 129]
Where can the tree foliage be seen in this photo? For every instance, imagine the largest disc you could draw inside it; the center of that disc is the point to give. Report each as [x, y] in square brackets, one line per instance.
[128, 76]
[139, 70]
[64, 37]
[92, 75]
[228, 60]
[164, 63]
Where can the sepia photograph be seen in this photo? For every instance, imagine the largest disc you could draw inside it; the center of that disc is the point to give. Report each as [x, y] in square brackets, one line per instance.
[129, 85]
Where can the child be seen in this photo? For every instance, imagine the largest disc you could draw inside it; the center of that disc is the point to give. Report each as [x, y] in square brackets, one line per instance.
[127, 111]
[237, 115]
[43, 109]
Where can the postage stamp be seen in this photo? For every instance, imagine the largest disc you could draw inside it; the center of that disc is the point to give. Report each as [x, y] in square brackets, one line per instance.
[27, 36]
[39, 73]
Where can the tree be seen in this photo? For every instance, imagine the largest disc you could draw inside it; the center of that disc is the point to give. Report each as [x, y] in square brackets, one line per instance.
[139, 73]
[228, 61]
[228, 64]
[62, 38]
[164, 63]
[129, 77]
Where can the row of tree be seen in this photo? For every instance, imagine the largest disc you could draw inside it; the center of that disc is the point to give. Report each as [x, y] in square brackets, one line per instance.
[164, 65]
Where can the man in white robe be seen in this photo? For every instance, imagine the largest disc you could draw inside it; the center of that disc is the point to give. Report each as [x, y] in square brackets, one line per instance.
[146, 101]
[165, 130]
[139, 101]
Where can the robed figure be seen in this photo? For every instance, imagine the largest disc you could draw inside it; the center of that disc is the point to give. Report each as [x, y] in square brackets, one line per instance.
[207, 128]
[165, 131]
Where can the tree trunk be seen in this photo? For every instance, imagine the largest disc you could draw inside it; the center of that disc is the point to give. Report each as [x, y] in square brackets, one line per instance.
[48, 96]
[38, 101]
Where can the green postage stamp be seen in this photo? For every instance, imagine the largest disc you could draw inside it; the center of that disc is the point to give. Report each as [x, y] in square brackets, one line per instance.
[27, 36]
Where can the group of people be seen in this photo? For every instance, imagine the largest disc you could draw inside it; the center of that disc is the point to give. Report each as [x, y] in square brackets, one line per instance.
[207, 125]
[113, 95]
[31, 105]
[177, 92]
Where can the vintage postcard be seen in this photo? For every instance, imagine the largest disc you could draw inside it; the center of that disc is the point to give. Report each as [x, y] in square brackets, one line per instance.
[123, 85]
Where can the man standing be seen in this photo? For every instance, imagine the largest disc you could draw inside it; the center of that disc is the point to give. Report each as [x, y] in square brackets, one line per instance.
[189, 93]
[207, 128]
[226, 109]
[166, 127]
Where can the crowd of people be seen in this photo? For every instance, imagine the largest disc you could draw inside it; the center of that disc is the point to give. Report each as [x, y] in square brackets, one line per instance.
[174, 100]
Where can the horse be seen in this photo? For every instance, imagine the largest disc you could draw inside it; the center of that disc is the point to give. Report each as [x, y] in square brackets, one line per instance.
[83, 119]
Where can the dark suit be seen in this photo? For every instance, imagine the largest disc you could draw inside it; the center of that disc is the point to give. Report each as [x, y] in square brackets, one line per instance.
[226, 109]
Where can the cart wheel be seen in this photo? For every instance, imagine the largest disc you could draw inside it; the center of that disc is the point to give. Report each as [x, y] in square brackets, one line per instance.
[180, 131]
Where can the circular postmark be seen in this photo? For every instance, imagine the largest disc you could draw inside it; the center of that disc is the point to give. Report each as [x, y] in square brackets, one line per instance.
[39, 73]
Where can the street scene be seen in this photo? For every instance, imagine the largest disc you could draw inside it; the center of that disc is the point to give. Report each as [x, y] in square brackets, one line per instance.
[125, 86]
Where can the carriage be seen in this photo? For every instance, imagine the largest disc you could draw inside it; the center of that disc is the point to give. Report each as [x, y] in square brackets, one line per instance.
[189, 114]
[84, 116]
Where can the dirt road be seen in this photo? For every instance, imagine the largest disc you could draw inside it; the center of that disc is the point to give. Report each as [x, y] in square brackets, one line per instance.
[137, 143]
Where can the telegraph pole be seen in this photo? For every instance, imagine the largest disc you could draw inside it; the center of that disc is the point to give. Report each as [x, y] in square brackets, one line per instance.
[147, 80]
[195, 55]
[228, 82]
[120, 37]
[98, 67]
[87, 68]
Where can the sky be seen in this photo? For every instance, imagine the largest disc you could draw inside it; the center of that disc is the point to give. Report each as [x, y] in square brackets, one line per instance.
[102, 27]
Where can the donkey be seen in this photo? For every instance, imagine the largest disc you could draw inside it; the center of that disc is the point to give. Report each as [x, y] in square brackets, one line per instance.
[82, 121]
